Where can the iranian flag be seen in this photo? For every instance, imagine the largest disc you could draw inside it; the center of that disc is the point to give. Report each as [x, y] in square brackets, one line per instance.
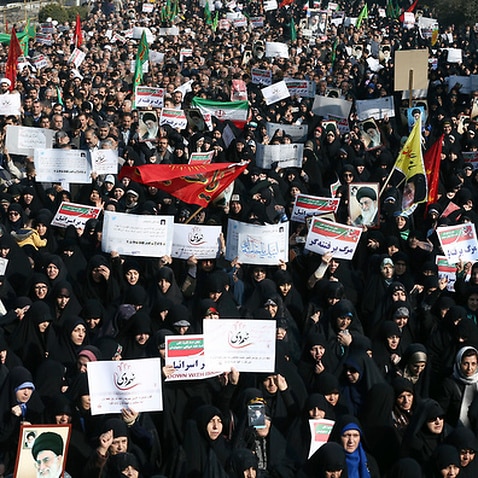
[235, 111]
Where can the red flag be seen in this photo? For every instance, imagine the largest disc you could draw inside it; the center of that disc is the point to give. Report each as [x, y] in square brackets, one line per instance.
[194, 184]
[284, 3]
[14, 51]
[78, 33]
[432, 160]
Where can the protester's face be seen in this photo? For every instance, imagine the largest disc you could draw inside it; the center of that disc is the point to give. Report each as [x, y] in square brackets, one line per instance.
[333, 266]
[353, 376]
[164, 285]
[250, 473]
[48, 464]
[62, 419]
[3, 356]
[350, 440]
[466, 456]
[405, 401]
[52, 271]
[62, 301]
[23, 395]
[130, 472]
[399, 294]
[85, 402]
[78, 334]
[393, 341]
[332, 398]
[343, 323]
[215, 295]
[285, 288]
[119, 445]
[82, 363]
[451, 471]
[333, 474]
[316, 413]
[387, 271]
[141, 339]
[469, 365]
[42, 326]
[259, 274]
[317, 352]
[472, 302]
[132, 277]
[92, 322]
[270, 384]
[214, 427]
[272, 309]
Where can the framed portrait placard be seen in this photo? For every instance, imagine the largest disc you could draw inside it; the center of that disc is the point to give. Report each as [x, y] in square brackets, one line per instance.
[364, 204]
[42, 448]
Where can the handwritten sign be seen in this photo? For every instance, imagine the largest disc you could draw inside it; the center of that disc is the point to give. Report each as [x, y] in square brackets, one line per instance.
[62, 166]
[186, 354]
[10, 104]
[24, 140]
[256, 244]
[149, 97]
[326, 236]
[277, 49]
[284, 155]
[195, 240]
[104, 161]
[247, 345]
[275, 92]
[306, 206]
[126, 383]
[137, 235]
[71, 214]
[459, 242]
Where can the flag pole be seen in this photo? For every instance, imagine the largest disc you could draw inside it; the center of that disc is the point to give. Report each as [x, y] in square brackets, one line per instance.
[410, 87]
[194, 214]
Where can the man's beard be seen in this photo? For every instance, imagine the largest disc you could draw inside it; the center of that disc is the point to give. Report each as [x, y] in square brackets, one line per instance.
[369, 216]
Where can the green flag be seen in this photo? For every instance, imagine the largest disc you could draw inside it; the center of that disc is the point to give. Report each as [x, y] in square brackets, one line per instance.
[293, 30]
[59, 98]
[141, 58]
[215, 23]
[362, 16]
[334, 51]
[207, 13]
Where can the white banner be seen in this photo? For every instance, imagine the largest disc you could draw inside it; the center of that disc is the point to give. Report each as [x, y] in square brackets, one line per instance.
[276, 92]
[71, 214]
[302, 88]
[77, 57]
[196, 240]
[10, 104]
[298, 132]
[257, 244]
[276, 49]
[285, 155]
[186, 354]
[62, 166]
[261, 77]
[326, 236]
[104, 161]
[137, 235]
[146, 97]
[323, 106]
[24, 140]
[202, 158]
[175, 118]
[377, 108]
[115, 385]
[306, 206]
[247, 345]
[459, 242]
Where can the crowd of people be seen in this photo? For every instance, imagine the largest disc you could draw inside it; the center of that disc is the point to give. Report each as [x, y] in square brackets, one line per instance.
[380, 344]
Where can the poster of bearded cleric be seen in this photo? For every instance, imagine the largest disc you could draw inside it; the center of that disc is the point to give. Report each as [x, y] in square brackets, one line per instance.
[364, 204]
[42, 451]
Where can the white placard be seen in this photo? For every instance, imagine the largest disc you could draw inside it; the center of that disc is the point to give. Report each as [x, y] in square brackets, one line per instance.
[301, 88]
[138, 32]
[377, 108]
[3, 265]
[323, 106]
[137, 235]
[455, 55]
[196, 240]
[156, 57]
[247, 345]
[175, 118]
[146, 97]
[320, 430]
[285, 155]
[306, 206]
[261, 77]
[276, 49]
[257, 244]
[71, 214]
[459, 242]
[297, 132]
[115, 385]
[62, 165]
[24, 140]
[77, 57]
[186, 354]
[326, 236]
[10, 104]
[270, 5]
[104, 161]
[171, 31]
[276, 92]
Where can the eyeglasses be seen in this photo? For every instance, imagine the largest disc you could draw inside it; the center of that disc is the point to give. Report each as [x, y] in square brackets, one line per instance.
[13, 213]
[434, 419]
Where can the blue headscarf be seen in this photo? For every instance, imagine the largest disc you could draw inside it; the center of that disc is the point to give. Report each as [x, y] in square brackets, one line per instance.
[356, 461]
